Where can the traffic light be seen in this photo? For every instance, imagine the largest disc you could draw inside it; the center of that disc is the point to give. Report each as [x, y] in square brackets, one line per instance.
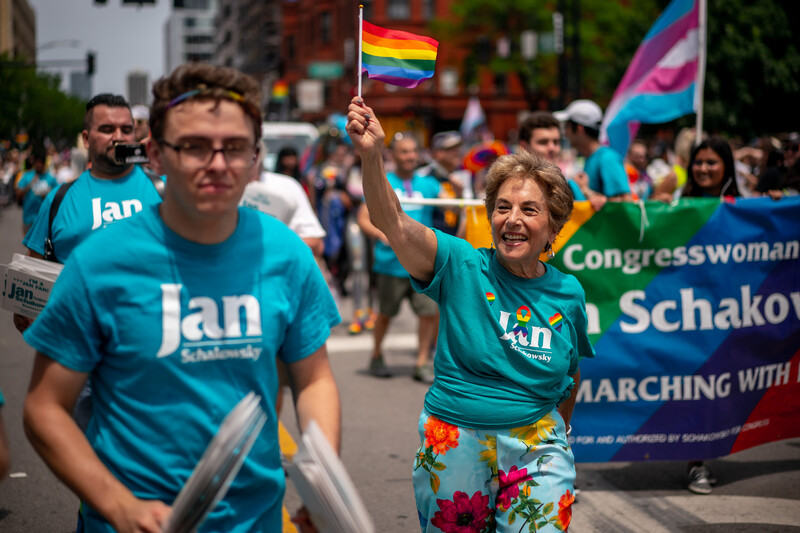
[90, 63]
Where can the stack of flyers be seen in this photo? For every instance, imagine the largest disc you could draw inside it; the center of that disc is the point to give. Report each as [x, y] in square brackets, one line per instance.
[327, 491]
[28, 282]
[219, 465]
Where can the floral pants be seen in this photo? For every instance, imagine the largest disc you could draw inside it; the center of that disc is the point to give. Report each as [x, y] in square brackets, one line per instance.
[470, 481]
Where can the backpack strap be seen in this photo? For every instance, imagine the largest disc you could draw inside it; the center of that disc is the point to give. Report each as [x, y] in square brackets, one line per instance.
[49, 251]
[158, 183]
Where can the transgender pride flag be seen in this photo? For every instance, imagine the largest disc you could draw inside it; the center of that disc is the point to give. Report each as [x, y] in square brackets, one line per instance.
[662, 82]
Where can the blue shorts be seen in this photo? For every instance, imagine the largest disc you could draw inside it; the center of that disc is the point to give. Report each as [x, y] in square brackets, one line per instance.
[494, 480]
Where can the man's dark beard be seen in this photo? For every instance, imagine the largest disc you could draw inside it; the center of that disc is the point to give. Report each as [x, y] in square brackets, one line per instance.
[108, 164]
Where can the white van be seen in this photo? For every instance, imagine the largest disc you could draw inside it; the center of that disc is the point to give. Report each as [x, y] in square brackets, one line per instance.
[278, 135]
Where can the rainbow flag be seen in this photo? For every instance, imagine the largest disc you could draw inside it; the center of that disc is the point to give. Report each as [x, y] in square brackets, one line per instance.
[397, 57]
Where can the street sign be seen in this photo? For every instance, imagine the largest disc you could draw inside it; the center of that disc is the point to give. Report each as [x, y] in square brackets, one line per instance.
[325, 70]
[310, 95]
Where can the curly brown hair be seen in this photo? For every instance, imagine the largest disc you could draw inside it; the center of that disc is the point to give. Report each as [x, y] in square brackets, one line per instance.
[210, 82]
[547, 175]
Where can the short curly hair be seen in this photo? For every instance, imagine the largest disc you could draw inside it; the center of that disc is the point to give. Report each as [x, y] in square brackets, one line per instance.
[547, 175]
[212, 83]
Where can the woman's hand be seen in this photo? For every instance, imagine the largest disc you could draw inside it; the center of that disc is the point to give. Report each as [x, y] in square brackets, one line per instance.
[364, 129]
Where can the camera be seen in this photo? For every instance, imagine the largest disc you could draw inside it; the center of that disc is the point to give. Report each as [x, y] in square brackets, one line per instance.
[131, 153]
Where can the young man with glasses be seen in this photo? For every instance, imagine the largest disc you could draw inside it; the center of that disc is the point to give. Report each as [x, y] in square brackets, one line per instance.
[177, 314]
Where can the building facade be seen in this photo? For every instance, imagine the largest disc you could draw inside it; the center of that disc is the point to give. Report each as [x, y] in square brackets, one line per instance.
[189, 33]
[17, 29]
[80, 85]
[319, 57]
[138, 87]
[249, 36]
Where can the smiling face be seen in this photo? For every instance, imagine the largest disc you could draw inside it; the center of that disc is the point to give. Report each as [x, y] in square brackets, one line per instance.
[708, 170]
[521, 226]
[406, 156]
[202, 199]
[546, 142]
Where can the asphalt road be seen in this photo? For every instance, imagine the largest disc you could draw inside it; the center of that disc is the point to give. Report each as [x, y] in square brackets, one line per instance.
[758, 489]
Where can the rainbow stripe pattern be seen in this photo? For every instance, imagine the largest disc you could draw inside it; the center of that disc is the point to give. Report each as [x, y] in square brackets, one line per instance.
[555, 321]
[397, 57]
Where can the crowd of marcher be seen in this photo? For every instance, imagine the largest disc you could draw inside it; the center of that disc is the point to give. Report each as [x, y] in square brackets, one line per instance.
[131, 350]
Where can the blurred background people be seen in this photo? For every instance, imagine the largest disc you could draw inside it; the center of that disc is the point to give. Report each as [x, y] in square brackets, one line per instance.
[393, 283]
[605, 172]
[32, 188]
[141, 122]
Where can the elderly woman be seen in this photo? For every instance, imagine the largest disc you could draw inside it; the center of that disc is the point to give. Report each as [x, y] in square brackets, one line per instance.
[493, 431]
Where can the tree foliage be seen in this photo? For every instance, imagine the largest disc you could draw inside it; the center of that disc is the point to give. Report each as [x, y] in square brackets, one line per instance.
[609, 31]
[31, 102]
[753, 69]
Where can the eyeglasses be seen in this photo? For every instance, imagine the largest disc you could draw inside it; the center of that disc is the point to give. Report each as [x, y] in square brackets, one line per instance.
[197, 153]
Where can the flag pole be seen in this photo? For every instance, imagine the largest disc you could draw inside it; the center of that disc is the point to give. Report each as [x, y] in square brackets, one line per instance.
[360, 41]
[701, 70]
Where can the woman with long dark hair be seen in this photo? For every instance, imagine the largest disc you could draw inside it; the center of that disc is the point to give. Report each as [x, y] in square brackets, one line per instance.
[711, 170]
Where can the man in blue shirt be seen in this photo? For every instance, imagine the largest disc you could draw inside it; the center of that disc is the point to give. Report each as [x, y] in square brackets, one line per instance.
[32, 188]
[603, 167]
[107, 192]
[393, 283]
[177, 314]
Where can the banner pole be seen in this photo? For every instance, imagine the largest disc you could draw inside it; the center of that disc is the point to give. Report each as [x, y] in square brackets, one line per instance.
[360, 41]
[701, 70]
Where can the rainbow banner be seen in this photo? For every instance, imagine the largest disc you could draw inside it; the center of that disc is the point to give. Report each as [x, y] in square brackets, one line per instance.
[397, 57]
[694, 312]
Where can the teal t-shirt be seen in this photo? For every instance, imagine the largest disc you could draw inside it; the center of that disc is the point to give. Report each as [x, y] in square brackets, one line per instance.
[606, 172]
[386, 261]
[507, 345]
[90, 204]
[174, 334]
[577, 193]
[32, 202]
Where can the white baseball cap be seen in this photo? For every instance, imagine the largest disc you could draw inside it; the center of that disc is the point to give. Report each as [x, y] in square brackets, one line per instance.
[140, 112]
[583, 112]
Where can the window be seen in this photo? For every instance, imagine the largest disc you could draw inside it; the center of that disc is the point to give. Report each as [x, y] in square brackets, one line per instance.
[448, 81]
[198, 39]
[428, 9]
[201, 58]
[189, 22]
[501, 84]
[368, 11]
[325, 27]
[398, 9]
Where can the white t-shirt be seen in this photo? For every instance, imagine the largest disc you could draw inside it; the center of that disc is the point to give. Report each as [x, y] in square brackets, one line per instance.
[283, 198]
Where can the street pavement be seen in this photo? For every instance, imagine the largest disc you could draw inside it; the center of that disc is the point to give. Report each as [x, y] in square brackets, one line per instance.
[758, 490]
